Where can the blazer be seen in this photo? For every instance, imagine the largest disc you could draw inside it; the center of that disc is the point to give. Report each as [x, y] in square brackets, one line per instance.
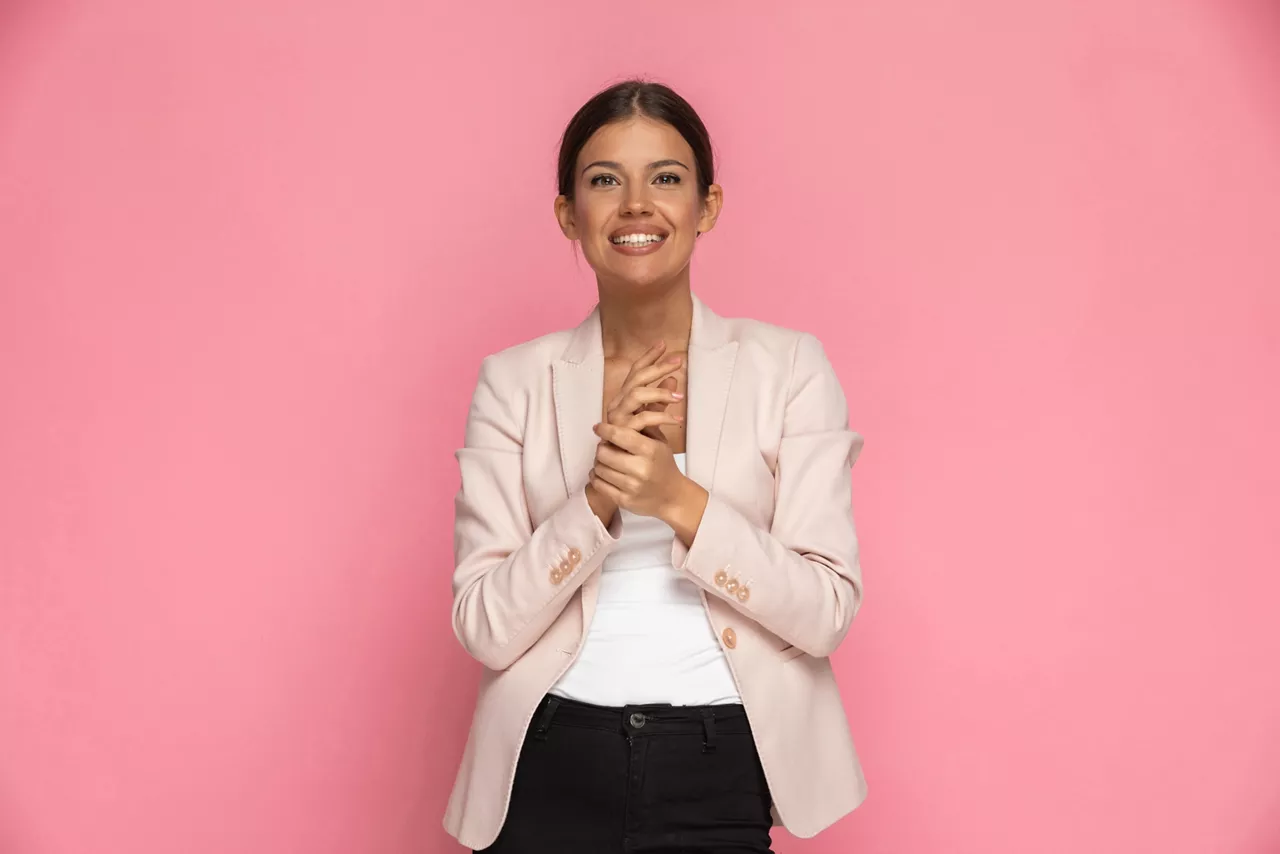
[776, 555]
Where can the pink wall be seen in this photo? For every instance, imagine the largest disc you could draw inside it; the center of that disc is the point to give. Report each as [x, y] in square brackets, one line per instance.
[251, 254]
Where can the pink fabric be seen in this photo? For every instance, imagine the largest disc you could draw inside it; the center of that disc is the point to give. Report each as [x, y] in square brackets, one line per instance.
[768, 436]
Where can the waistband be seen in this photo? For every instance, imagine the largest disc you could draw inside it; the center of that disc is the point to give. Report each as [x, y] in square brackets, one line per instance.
[641, 720]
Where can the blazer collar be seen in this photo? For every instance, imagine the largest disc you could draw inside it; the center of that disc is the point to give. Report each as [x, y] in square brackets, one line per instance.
[709, 331]
[578, 387]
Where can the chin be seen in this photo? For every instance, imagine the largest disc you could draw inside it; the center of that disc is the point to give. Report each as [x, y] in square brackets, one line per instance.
[643, 282]
[642, 277]
[640, 282]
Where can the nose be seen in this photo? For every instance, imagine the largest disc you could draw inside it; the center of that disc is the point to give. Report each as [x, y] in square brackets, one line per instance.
[637, 201]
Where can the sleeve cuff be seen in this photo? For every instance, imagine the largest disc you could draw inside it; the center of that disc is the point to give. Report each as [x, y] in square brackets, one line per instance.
[577, 526]
[713, 545]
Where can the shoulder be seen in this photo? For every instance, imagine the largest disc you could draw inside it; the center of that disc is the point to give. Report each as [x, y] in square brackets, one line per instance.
[800, 374]
[503, 394]
[792, 366]
[798, 351]
[520, 365]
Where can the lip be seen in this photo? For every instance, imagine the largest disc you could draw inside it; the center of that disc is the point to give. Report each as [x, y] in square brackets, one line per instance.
[647, 249]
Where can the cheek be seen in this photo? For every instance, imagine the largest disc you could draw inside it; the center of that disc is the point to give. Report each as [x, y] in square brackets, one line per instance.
[591, 218]
[685, 215]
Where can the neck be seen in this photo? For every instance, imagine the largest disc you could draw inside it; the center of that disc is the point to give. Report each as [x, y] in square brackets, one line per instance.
[631, 322]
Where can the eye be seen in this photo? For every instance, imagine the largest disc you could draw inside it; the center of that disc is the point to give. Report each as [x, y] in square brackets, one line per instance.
[667, 178]
[600, 180]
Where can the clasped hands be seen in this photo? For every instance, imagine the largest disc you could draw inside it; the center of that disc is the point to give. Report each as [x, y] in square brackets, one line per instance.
[635, 468]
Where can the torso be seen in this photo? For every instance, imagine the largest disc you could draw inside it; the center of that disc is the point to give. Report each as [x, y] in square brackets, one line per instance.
[650, 639]
[615, 372]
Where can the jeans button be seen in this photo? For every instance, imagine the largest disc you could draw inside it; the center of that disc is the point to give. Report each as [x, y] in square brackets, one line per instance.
[637, 720]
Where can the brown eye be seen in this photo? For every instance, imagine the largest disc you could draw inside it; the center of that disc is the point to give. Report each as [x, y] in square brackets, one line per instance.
[599, 180]
[667, 178]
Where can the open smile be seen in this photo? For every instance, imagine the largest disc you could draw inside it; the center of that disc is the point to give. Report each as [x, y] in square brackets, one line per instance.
[638, 241]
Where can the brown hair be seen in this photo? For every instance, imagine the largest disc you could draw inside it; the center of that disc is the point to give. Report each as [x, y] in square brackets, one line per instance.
[635, 98]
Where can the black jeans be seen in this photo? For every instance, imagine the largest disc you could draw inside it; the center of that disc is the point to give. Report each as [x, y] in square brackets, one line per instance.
[596, 780]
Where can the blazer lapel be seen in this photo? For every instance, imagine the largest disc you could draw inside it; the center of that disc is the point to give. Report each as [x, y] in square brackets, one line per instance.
[578, 388]
[712, 355]
[577, 384]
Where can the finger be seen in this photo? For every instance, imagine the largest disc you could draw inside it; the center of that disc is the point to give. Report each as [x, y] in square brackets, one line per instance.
[653, 431]
[638, 397]
[669, 384]
[608, 490]
[647, 358]
[618, 479]
[650, 419]
[656, 372]
[626, 439]
[621, 461]
[653, 376]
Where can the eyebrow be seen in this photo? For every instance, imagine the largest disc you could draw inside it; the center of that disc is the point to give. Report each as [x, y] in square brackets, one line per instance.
[613, 164]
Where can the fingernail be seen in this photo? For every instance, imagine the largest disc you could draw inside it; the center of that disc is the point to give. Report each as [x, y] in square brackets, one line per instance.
[677, 395]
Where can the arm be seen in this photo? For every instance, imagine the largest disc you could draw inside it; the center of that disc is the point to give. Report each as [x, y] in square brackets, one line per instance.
[803, 579]
[512, 580]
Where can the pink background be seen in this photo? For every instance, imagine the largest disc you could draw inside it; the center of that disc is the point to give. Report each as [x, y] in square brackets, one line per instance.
[252, 252]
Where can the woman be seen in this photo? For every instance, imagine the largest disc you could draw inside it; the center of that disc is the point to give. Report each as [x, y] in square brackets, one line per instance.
[655, 548]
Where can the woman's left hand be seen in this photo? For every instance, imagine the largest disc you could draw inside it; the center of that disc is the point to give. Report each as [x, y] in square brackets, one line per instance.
[638, 473]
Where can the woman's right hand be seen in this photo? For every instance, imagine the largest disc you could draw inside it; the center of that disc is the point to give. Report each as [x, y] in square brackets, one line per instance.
[646, 392]
[641, 404]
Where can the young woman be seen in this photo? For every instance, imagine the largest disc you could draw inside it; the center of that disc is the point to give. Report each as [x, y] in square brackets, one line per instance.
[655, 548]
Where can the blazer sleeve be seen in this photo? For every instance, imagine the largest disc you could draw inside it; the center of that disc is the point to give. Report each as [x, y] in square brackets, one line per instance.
[511, 580]
[802, 575]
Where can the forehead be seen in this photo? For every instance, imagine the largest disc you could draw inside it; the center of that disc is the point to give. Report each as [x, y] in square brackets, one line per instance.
[636, 141]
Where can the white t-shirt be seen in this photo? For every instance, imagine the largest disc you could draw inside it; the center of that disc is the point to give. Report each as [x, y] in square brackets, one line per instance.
[650, 640]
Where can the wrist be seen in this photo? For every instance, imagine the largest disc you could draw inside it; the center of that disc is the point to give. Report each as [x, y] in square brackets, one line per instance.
[683, 513]
[603, 507]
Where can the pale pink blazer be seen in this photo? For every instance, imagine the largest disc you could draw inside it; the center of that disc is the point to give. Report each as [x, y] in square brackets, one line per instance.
[767, 435]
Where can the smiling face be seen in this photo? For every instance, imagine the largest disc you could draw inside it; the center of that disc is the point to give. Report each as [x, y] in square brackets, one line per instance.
[636, 209]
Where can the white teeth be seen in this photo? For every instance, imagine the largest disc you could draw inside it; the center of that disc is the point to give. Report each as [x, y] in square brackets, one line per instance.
[637, 239]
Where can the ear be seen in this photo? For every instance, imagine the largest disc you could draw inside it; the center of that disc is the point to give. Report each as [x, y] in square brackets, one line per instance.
[564, 216]
[711, 207]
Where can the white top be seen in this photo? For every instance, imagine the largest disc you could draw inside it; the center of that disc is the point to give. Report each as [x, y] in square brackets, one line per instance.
[650, 640]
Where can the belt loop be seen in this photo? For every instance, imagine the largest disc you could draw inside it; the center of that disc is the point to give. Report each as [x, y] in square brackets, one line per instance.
[544, 722]
[708, 731]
